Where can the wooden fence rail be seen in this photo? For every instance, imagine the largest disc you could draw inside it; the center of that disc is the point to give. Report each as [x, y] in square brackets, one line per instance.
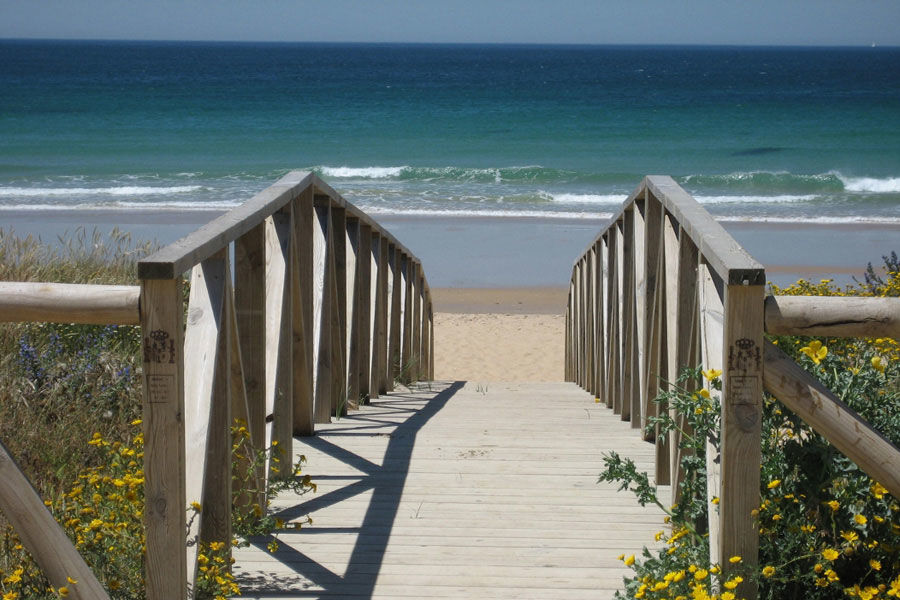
[300, 307]
[665, 287]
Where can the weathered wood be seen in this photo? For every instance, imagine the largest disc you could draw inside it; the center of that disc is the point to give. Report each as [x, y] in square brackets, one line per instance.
[250, 311]
[614, 293]
[433, 459]
[42, 536]
[741, 442]
[362, 339]
[651, 317]
[207, 405]
[639, 315]
[70, 303]
[279, 336]
[726, 257]
[395, 292]
[406, 316]
[323, 273]
[602, 319]
[839, 424]
[630, 377]
[712, 332]
[164, 464]
[180, 256]
[339, 310]
[590, 309]
[352, 329]
[302, 302]
[199, 245]
[833, 316]
[240, 413]
[381, 360]
[415, 367]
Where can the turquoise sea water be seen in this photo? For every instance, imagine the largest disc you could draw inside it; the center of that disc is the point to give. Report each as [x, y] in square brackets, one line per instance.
[788, 135]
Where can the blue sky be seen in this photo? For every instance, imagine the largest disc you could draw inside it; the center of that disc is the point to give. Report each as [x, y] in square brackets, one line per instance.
[757, 22]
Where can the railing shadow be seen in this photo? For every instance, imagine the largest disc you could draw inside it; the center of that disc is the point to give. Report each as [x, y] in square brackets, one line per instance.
[385, 481]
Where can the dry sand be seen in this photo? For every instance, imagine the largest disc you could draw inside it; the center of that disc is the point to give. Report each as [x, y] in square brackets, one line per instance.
[493, 335]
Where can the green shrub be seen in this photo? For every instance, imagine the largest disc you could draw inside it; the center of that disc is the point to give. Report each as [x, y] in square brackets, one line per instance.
[826, 529]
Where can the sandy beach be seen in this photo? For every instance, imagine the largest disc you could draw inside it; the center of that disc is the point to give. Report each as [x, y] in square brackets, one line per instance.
[493, 335]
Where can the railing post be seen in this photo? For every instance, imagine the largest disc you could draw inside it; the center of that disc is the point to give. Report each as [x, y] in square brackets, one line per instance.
[381, 361]
[416, 348]
[395, 292]
[279, 338]
[741, 444]
[339, 316]
[352, 324]
[302, 301]
[250, 313]
[406, 346]
[162, 327]
[362, 352]
[323, 275]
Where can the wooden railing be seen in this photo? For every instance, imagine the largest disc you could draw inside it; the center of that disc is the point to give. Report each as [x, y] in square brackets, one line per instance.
[665, 287]
[300, 307]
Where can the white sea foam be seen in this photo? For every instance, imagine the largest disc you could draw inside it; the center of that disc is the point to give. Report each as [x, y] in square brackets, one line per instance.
[129, 190]
[135, 206]
[475, 214]
[363, 172]
[585, 198]
[755, 199]
[842, 220]
[888, 185]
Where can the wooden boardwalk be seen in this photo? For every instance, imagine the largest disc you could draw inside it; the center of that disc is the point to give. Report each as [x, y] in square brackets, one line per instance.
[456, 490]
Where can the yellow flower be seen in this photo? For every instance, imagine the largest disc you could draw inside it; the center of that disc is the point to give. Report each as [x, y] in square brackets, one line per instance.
[833, 504]
[875, 564]
[11, 595]
[63, 591]
[630, 560]
[701, 574]
[72, 581]
[850, 536]
[860, 519]
[734, 559]
[727, 596]
[878, 364]
[815, 351]
[774, 484]
[768, 571]
[878, 490]
[715, 500]
[712, 374]
[196, 506]
[830, 553]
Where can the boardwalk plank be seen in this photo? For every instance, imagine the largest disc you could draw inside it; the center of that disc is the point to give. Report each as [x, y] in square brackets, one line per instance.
[460, 491]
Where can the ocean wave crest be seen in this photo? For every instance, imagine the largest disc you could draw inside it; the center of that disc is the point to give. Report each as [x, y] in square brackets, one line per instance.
[128, 190]
[783, 182]
[453, 174]
[889, 185]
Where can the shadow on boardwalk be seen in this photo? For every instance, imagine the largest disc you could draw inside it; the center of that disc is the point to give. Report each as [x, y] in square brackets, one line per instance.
[403, 416]
[457, 490]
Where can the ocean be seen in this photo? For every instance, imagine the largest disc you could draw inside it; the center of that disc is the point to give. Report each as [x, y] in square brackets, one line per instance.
[469, 150]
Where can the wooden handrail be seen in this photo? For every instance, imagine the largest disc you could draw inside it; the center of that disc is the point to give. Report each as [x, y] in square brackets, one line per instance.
[69, 303]
[321, 310]
[833, 316]
[665, 287]
[835, 421]
[307, 331]
[180, 256]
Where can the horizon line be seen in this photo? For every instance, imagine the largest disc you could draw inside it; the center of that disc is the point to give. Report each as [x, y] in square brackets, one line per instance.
[418, 43]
